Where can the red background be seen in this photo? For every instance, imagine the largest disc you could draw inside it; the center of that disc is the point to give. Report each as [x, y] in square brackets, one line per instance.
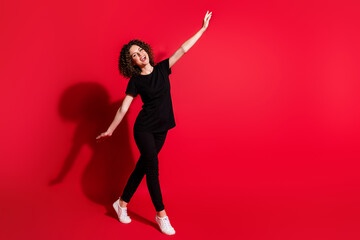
[266, 104]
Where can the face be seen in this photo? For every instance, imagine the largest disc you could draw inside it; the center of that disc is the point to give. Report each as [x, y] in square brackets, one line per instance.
[139, 56]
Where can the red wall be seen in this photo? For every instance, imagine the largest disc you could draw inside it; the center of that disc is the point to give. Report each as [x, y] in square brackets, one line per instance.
[266, 105]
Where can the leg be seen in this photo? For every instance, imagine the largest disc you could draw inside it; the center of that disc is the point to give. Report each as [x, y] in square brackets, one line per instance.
[133, 183]
[161, 218]
[159, 141]
[149, 145]
[138, 174]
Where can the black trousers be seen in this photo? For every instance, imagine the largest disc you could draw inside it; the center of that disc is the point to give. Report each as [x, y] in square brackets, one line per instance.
[149, 145]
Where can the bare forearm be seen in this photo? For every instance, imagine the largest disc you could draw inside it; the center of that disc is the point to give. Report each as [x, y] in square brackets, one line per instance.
[189, 43]
[117, 119]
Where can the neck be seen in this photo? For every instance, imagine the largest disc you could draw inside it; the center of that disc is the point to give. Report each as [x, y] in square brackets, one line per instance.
[147, 69]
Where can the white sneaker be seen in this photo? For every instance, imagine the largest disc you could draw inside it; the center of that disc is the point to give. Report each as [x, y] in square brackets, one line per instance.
[121, 212]
[165, 226]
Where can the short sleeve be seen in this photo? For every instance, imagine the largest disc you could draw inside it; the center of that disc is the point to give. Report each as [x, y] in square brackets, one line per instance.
[131, 88]
[164, 65]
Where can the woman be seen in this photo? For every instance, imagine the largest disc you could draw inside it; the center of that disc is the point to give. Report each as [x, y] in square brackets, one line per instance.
[154, 120]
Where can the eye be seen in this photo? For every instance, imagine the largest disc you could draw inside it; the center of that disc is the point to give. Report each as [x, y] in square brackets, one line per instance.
[141, 49]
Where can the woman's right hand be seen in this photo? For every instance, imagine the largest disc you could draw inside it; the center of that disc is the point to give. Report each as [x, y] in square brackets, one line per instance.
[206, 20]
[103, 136]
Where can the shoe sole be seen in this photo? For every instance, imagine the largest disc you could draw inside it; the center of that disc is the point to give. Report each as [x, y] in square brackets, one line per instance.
[115, 206]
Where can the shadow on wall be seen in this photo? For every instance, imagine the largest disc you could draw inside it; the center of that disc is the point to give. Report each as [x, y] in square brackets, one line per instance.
[87, 104]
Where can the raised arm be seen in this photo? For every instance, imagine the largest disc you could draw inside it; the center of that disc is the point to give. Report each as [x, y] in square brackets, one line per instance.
[118, 117]
[189, 43]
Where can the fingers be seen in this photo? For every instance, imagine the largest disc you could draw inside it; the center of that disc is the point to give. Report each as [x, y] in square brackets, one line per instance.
[102, 136]
[207, 16]
[207, 19]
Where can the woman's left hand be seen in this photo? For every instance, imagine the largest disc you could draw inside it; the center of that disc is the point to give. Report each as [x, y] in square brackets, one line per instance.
[206, 20]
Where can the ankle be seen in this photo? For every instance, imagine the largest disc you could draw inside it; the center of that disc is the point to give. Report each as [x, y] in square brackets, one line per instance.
[122, 203]
[161, 214]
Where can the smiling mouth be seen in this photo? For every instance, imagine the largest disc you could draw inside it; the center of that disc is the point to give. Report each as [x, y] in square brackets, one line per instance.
[143, 59]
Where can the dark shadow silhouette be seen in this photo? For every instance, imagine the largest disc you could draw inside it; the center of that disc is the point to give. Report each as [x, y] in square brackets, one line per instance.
[104, 178]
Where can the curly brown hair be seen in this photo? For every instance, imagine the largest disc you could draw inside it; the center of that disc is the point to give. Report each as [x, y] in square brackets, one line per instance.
[126, 67]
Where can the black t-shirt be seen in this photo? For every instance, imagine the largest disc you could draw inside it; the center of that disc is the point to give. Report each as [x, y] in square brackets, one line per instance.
[157, 112]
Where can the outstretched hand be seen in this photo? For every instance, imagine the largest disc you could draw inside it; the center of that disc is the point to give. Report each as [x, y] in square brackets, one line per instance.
[206, 20]
[103, 136]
